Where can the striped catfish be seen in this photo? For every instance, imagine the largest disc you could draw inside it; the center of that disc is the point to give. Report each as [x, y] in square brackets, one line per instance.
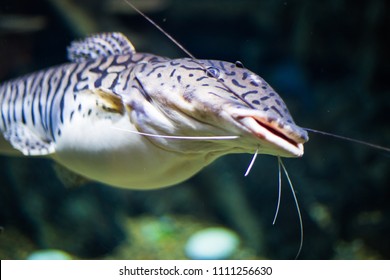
[111, 113]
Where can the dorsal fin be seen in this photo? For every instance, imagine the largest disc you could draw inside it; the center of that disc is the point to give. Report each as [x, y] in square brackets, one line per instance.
[99, 45]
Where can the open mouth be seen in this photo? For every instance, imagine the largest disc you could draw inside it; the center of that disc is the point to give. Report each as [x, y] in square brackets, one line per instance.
[273, 135]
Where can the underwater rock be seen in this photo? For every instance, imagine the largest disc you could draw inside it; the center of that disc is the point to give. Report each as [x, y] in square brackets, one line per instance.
[215, 243]
[49, 254]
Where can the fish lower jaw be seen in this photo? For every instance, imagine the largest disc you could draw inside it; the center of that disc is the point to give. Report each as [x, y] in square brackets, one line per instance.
[271, 140]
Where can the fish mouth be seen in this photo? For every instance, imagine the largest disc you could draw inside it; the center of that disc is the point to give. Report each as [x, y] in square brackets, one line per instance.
[279, 140]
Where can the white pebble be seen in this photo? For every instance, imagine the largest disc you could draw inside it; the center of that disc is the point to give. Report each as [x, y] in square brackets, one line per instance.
[49, 254]
[214, 243]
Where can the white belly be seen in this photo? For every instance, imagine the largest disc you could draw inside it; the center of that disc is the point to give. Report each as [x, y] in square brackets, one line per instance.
[118, 158]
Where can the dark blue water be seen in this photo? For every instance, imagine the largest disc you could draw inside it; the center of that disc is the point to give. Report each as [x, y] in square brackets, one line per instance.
[329, 61]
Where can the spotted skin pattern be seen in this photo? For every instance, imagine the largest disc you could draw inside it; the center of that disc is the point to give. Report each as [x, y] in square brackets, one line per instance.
[239, 83]
[69, 112]
[44, 100]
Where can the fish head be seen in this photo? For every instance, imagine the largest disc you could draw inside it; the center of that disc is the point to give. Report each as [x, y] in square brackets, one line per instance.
[188, 97]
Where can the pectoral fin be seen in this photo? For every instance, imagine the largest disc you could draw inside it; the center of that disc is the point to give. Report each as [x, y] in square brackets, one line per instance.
[109, 101]
[22, 138]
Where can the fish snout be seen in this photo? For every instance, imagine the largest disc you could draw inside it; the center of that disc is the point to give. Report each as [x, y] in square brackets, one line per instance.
[272, 135]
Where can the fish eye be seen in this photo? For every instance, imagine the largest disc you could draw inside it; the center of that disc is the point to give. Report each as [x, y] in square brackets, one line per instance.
[213, 72]
[239, 64]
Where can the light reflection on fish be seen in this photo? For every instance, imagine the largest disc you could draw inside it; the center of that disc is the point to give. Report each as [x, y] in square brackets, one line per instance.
[83, 114]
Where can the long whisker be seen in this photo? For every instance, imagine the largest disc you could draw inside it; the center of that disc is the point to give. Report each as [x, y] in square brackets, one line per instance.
[186, 52]
[279, 192]
[348, 139]
[161, 30]
[297, 205]
[251, 163]
[223, 137]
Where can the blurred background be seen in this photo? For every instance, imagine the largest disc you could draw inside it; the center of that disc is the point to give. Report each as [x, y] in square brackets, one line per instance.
[330, 63]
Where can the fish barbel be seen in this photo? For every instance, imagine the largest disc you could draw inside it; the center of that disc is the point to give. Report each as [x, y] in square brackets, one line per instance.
[101, 114]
